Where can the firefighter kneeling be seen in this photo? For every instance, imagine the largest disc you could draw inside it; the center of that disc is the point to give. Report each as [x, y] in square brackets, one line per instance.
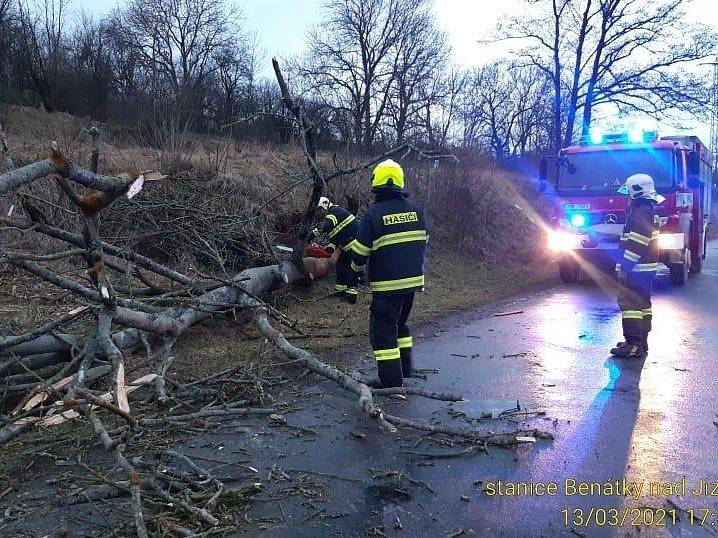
[637, 267]
[392, 236]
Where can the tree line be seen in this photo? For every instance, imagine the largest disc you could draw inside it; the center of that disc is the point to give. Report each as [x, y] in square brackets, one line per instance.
[376, 73]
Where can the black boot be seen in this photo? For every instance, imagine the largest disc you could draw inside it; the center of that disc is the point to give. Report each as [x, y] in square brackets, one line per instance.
[647, 326]
[632, 350]
[390, 373]
[350, 296]
[616, 350]
[407, 363]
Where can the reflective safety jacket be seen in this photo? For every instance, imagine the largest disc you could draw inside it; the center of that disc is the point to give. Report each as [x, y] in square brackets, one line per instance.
[638, 247]
[341, 227]
[392, 236]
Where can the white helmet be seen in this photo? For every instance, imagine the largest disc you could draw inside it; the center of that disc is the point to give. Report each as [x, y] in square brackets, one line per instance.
[324, 203]
[641, 186]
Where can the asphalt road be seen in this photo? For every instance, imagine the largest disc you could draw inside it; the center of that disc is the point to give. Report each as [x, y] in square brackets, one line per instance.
[649, 422]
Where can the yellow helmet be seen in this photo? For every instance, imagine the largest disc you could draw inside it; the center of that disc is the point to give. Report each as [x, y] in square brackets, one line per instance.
[388, 174]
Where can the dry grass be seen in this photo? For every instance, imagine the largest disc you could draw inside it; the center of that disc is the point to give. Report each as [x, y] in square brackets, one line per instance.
[482, 240]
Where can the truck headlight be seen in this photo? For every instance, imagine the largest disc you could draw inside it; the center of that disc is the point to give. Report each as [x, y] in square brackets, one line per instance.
[560, 241]
[671, 241]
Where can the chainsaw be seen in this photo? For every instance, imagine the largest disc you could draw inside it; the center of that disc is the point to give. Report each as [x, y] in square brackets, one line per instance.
[314, 250]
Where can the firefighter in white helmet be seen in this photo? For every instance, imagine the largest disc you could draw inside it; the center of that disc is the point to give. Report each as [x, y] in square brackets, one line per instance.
[341, 228]
[637, 265]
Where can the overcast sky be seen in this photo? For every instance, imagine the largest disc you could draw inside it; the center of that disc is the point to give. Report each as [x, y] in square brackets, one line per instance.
[281, 26]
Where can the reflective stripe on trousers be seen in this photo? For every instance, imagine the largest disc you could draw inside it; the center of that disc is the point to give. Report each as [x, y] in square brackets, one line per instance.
[634, 300]
[398, 284]
[388, 328]
[391, 354]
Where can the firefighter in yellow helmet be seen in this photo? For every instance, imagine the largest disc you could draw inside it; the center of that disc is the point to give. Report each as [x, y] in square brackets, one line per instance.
[392, 238]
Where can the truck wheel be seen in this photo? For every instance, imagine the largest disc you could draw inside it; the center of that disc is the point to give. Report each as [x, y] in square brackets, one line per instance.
[679, 271]
[568, 269]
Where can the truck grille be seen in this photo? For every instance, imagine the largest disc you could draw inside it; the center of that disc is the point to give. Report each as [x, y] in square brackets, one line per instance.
[610, 217]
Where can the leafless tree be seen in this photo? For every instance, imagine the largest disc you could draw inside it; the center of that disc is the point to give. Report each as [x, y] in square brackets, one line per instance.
[627, 53]
[178, 38]
[89, 79]
[7, 14]
[440, 112]
[630, 31]
[234, 76]
[420, 60]
[40, 42]
[503, 108]
[353, 59]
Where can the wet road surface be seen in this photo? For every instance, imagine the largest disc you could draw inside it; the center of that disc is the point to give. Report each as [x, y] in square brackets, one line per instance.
[650, 422]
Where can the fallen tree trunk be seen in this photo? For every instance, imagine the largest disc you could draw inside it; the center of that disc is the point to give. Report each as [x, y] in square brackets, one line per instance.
[14, 179]
[47, 343]
[58, 163]
[250, 283]
[33, 362]
[11, 341]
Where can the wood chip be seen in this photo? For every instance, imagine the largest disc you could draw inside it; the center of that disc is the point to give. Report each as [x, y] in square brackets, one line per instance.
[153, 175]
[122, 401]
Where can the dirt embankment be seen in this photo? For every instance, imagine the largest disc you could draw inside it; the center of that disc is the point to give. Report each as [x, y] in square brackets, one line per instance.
[226, 204]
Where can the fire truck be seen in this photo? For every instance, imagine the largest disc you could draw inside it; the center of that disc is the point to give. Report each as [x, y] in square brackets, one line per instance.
[588, 214]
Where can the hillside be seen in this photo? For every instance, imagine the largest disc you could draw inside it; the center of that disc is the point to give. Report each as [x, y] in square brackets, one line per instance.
[241, 199]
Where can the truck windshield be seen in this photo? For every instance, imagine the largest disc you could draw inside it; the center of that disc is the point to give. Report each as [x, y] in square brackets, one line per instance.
[603, 172]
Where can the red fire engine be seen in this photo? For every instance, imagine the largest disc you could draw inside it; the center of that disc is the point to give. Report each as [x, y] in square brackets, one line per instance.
[588, 214]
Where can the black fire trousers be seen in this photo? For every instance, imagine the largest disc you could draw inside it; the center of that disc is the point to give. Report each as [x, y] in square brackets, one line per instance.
[346, 278]
[634, 300]
[388, 331]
